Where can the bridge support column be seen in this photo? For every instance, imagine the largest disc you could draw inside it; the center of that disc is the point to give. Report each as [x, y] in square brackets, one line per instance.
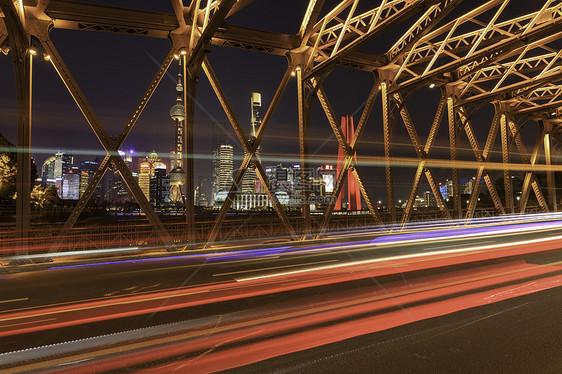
[22, 55]
[190, 79]
[550, 180]
[388, 130]
[508, 184]
[24, 68]
[453, 147]
[304, 123]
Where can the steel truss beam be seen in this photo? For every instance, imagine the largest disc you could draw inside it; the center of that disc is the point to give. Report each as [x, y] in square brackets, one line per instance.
[349, 149]
[250, 149]
[482, 47]
[423, 153]
[81, 16]
[208, 29]
[514, 59]
[530, 180]
[309, 19]
[110, 146]
[365, 26]
[481, 157]
[432, 16]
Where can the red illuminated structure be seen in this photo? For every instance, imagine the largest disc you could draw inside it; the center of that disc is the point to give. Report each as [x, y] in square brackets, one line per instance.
[353, 195]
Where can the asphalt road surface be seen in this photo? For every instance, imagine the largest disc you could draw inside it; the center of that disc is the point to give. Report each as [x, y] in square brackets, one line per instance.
[519, 335]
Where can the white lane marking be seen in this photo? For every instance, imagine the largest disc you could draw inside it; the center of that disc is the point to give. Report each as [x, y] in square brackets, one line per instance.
[14, 300]
[276, 267]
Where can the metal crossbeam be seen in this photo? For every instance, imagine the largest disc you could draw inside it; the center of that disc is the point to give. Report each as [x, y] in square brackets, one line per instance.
[510, 38]
[249, 151]
[423, 155]
[432, 16]
[530, 180]
[106, 141]
[349, 150]
[366, 26]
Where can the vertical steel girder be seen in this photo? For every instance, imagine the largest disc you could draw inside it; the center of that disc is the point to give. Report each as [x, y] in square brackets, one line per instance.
[190, 78]
[249, 151]
[304, 123]
[106, 141]
[23, 67]
[349, 149]
[508, 184]
[388, 131]
[423, 154]
[453, 146]
[551, 185]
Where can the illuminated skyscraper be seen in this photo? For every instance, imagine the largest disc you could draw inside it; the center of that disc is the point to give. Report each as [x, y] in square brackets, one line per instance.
[146, 171]
[177, 175]
[63, 164]
[48, 172]
[55, 167]
[255, 102]
[116, 188]
[87, 171]
[328, 175]
[226, 155]
[159, 186]
[249, 179]
[202, 191]
[71, 185]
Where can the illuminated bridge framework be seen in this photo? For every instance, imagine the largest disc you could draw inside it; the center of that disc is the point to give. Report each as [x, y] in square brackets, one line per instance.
[478, 57]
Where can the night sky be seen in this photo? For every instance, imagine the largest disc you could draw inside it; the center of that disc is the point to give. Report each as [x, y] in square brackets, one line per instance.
[113, 70]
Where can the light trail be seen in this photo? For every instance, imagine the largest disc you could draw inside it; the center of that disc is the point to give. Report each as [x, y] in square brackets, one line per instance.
[211, 256]
[404, 257]
[410, 228]
[363, 160]
[283, 321]
[81, 313]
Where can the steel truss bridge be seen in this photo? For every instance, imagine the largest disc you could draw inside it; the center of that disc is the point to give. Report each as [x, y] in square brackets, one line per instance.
[473, 51]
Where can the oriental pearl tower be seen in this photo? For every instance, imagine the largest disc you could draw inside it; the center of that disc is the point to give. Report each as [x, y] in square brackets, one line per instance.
[177, 175]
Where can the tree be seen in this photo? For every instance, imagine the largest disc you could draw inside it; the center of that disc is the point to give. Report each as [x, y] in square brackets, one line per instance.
[44, 197]
[8, 169]
[7, 177]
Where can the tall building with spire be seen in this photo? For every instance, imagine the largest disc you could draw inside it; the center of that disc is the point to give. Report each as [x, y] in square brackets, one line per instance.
[177, 174]
[249, 181]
